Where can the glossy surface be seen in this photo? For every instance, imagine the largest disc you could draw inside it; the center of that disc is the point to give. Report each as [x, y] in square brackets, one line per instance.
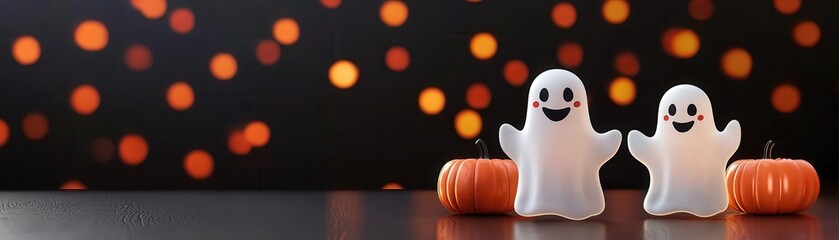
[478, 185]
[771, 186]
[366, 215]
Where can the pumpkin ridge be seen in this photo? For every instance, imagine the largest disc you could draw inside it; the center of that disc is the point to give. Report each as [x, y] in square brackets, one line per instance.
[730, 178]
[755, 191]
[738, 182]
[513, 186]
[780, 178]
[450, 188]
[506, 179]
[812, 178]
[803, 194]
[442, 191]
[475, 187]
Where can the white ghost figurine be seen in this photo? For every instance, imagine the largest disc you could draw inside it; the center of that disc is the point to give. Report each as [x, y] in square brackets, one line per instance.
[558, 153]
[687, 155]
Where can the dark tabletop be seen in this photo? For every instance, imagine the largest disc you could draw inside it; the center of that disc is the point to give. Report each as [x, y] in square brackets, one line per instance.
[365, 215]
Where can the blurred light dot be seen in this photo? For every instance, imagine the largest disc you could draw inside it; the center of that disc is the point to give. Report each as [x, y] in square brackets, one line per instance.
[151, 9]
[257, 133]
[267, 52]
[237, 143]
[627, 63]
[622, 91]
[570, 54]
[564, 15]
[133, 149]
[26, 50]
[806, 33]
[4, 132]
[180, 96]
[397, 58]
[680, 42]
[467, 123]
[223, 66]
[786, 98]
[182, 20]
[286, 31]
[393, 13]
[35, 126]
[701, 10]
[432, 100]
[102, 149]
[343, 74]
[138, 57]
[615, 11]
[737, 63]
[483, 46]
[91, 35]
[478, 96]
[515, 72]
[73, 184]
[392, 186]
[85, 99]
[331, 4]
[198, 164]
[787, 7]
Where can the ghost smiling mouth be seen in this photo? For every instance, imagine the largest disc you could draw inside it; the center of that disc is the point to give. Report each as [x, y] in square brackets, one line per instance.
[682, 127]
[557, 115]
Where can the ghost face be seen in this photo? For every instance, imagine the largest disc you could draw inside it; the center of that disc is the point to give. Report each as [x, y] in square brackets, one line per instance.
[555, 94]
[683, 108]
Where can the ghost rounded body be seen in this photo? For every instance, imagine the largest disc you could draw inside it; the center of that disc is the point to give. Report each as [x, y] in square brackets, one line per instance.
[687, 156]
[558, 152]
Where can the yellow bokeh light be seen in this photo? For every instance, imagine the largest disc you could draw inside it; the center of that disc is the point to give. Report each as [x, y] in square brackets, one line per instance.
[736, 63]
[393, 13]
[238, 144]
[786, 98]
[806, 33]
[787, 7]
[223, 66]
[257, 133]
[26, 50]
[133, 149]
[4, 132]
[35, 126]
[85, 99]
[151, 9]
[91, 35]
[622, 91]
[615, 11]
[564, 15]
[343, 74]
[432, 100]
[198, 164]
[468, 123]
[286, 31]
[681, 42]
[180, 96]
[483, 46]
[182, 20]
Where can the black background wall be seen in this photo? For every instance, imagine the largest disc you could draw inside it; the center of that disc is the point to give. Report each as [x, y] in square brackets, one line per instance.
[373, 133]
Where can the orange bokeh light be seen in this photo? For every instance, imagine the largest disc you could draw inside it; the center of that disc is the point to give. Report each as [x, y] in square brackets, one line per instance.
[35, 126]
[73, 184]
[26, 50]
[237, 143]
[737, 63]
[468, 123]
[478, 96]
[151, 9]
[223, 66]
[343, 74]
[397, 58]
[516, 72]
[330, 4]
[133, 149]
[198, 164]
[627, 63]
[286, 31]
[570, 54]
[91, 35]
[180, 96]
[267, 52]
[806, 33]
[615, 11]
[138, 57]
[680, 42]
[257, 133]
[392, 186]
[102, 149]
[182, 20]
[483, 46]
[701, 10]
[564, 15]
[787, 7]
[4, 132]
[786, 98]
[393, 13]
[432, 100]
[85, 99]
[622, 91]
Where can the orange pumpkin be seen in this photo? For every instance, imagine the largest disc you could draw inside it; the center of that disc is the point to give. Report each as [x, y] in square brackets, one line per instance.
[771, 186]
[478, 185]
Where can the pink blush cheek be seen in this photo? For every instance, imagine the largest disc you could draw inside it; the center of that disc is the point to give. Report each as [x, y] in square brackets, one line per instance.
[535, 104]
[577, 104]
[700, 117]
[666, 118]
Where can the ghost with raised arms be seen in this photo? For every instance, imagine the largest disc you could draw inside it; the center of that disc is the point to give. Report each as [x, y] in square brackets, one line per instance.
[687, 155]
[558, 152]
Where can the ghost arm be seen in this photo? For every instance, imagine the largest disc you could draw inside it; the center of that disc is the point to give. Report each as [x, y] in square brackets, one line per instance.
[608, 144]
[640, 146]
[510, 139]
[730, 139]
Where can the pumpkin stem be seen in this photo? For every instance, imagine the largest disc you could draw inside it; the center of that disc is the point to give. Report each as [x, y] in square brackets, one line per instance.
[483, 153]
[767, 150]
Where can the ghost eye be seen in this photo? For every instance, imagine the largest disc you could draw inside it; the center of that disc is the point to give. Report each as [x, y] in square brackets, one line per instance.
[568, 95]
[691, 109]
[672, 110]
[543, 95]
